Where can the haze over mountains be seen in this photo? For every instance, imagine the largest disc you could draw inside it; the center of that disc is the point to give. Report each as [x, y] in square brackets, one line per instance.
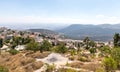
[44, 31]
[103, 32]
[24, 26]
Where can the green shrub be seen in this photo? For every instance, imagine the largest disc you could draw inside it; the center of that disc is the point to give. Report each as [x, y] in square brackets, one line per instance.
[110, 64]
[61, 48]
[3, 69]
[13, 51]
[92, 50]
[93, 56]
[33, 46]
[84, 59]
[50, 68]
[7, 41]
[71, 57]
[66, 70]
[105, 50]
[73, 52]
[45, 46]
[115, 54]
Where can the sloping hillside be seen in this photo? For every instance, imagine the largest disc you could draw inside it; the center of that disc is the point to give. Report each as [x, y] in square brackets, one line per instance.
[44, 31]
[102, 32]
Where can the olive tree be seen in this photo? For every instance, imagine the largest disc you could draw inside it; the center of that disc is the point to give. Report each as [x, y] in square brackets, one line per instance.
[45, 46]
[1, 44]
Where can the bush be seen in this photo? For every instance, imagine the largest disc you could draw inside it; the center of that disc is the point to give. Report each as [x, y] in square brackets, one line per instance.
[92, 50]
[100, 70]
[7, 41]
[110, 64]
[3, 69]
[84, 59]
[33, 46]
[71, 58]
[50, 68]
[13, 51]
[73, 52]
[105, 50]
[115, 54]
[45, 46]
[61, 48]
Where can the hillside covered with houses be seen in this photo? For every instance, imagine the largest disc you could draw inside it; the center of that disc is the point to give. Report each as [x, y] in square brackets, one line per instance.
[26, 51]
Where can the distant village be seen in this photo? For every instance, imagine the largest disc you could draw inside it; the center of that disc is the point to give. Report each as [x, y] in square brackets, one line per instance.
[8, 34]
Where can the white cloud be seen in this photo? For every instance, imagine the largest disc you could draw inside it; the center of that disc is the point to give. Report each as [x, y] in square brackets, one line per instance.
[100, 16]
[107, 19]
[39, 19]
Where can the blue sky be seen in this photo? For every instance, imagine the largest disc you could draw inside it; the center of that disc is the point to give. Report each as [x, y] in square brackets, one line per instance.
[60, 11]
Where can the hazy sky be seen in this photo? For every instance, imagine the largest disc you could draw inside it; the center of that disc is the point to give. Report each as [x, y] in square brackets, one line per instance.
[60, 11]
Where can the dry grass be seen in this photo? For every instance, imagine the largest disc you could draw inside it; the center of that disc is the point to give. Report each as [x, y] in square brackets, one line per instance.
[91, 66]
[19, 62]
[76, 64]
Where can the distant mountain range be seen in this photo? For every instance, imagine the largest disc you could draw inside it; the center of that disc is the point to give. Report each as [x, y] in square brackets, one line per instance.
[103, 32]
[24, 26]
[44, 31]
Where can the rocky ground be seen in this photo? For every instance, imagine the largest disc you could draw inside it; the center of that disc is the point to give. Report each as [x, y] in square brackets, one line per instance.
[60, 61]
[28, 61]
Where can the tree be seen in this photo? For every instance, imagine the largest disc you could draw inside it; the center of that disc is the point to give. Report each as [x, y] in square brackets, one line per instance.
[89, 43]
[21, 33]
[22, 40]
[80, 44]
[13, 45]
[34, 46]
[19, 40]
[61, 48]
[45, 46]
[86, 41]
[16, 40]
[92, 44]
[110, 64]
[1, 44]
[27, 40]
[116, 40]
[92, 50]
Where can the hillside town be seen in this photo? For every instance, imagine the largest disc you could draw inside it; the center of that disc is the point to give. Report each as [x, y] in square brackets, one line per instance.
[8, 34]
[25, 51]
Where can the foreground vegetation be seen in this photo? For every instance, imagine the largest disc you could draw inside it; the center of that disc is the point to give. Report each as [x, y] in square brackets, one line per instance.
[87, 56]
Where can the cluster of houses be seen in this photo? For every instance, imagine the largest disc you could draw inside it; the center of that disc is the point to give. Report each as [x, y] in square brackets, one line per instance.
[8, 34]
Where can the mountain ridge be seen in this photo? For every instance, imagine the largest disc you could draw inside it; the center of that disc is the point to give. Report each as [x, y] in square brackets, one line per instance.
[103, 32]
